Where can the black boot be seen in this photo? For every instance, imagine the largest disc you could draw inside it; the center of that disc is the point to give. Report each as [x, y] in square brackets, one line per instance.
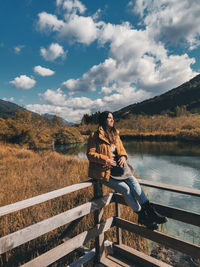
[153, 214]
[145, 220]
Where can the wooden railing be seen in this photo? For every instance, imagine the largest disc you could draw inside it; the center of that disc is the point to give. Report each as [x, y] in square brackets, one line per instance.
[96, 206]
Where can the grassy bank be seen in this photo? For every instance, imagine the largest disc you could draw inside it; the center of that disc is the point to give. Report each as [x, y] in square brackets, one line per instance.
[185, 127]
[24, 174]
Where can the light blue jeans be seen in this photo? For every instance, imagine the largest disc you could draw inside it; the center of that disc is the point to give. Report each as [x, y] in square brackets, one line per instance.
[131, 191]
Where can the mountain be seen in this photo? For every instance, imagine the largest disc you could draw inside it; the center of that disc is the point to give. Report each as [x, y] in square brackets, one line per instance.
[186, 95]
[50, 116]
[8, 109]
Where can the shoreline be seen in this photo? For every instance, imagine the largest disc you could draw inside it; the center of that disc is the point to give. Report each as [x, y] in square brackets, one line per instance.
[181, 136]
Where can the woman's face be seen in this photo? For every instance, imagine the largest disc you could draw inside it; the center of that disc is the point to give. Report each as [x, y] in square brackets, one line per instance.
[110, 120]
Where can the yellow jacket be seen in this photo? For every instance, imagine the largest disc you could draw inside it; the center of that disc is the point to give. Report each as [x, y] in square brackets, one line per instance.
[98, 151]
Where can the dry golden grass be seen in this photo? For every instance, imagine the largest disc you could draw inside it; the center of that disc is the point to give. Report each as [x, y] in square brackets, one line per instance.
[158, 127]
[24, 174]
[160, 123]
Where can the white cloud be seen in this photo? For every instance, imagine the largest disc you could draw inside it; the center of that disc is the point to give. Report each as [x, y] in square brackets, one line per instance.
[48, 22]
[81, 29]
[53, 52]
[135, 58]
[73, 27]
[43, 71]
[58, 98]
[171, 20]
[139, 64]
[23, 82]
[69, 114]
[59, 103]
[11, 99]
[18, 48]
[53, 97]
[97, 76]
[71, 6]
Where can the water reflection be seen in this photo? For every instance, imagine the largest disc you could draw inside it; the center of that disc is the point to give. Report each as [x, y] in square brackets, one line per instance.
[72, 149]
[170, 163]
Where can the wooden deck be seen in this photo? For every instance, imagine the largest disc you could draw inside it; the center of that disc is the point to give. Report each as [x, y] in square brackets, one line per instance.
[120, 255]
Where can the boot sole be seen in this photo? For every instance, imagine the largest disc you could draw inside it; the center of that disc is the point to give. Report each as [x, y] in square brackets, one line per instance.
[150, 226]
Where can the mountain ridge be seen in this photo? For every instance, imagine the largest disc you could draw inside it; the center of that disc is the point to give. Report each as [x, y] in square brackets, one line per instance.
[187, 94]
[8, 109]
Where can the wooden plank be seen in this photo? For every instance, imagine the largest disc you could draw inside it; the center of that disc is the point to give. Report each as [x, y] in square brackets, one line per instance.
[179, 214]
[42, 198]
[171, 212]
[84, 259]
[118, 230]
[89, 254]
[172, 242]
[70, 228]
[114, 261]
[138, 257]
[70, 245]
[29, 233]
[173, 188]
[98, 218]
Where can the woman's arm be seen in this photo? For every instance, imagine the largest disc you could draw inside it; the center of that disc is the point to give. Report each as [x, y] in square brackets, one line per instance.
[92, 154]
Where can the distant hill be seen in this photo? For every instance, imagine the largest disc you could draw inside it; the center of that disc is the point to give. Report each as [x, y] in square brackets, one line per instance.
[50, 116]
[186, 95]
[8, 109]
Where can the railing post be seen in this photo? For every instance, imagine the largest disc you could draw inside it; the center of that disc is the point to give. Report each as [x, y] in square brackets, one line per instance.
[119, 230]
[98, 218]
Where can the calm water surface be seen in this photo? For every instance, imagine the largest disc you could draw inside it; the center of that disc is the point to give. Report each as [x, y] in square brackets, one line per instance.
[169, 163]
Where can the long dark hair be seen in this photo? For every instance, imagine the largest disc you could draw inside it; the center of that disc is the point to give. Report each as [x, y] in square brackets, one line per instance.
[110, 133]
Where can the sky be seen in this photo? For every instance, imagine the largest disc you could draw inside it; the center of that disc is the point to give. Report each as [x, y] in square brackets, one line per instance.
[69, 57]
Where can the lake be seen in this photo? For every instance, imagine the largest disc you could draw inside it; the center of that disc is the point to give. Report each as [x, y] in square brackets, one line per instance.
[170, 163]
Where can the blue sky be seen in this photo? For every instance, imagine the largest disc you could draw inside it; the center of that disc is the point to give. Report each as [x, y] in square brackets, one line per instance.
[71, 57]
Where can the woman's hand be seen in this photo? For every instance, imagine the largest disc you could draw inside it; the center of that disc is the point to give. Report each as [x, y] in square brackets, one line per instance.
[111, 163]
[122, 161]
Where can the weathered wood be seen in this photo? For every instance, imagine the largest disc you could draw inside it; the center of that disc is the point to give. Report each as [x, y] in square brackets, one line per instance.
[118, 230]
[164, 239]
[171, 212]
[138, 257]
[70, 228]
[70, 245]
[98, 218]
[179, 214]
[173, 188]
[89, 255]
[116, 261]
[29, 233]
[42, 198]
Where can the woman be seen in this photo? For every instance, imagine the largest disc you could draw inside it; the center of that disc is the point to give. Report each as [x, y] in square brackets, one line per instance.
[108, 162]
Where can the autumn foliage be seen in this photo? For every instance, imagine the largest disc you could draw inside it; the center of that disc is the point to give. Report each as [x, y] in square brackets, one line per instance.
[35, 131]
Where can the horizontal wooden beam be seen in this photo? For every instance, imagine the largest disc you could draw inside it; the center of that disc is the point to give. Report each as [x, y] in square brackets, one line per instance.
[89, 255]
[84, 259]
[172, 188]
[179, 214]
[114, 261]
[170, 212]
[42, 198]
[137, 257]
[62, 250]
[164, 239]
[31, 232]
